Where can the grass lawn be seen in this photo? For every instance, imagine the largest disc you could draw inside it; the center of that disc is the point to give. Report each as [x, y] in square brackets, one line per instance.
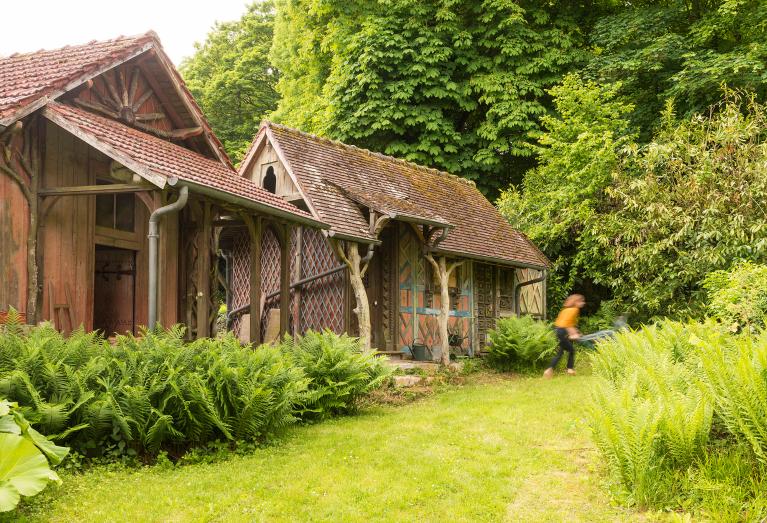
[507, 450]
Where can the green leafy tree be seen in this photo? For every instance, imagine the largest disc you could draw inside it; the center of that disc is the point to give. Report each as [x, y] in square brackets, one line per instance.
[686, 50]
[689, 203]
[562, 197]
[455, 85]
[232, 79]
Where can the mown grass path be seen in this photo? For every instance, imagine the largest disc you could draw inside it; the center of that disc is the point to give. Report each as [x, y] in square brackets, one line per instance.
[508, 450]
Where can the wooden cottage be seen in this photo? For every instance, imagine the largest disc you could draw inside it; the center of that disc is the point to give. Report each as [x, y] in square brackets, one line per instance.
[392, 223]
[115, 195]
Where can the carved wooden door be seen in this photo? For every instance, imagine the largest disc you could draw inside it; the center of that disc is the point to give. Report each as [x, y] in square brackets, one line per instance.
[484, 290]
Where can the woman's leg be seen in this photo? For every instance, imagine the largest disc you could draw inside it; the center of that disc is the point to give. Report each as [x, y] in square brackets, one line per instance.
[570, 356]
[563, 343]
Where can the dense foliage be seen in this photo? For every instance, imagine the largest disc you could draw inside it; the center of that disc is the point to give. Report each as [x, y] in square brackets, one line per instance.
[231, 78]
[679, 416]
[594, 118]
[455, 85]
[561, 199]
[26, 458]
[520, 344]
[156, 391]
[738, 297]
[340, 372]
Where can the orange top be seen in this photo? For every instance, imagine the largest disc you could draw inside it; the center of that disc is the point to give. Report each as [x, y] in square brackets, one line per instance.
[568, 317]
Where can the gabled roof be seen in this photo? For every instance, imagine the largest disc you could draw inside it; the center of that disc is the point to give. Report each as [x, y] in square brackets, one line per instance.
[29, 81]
[160, 161]
[338, 178]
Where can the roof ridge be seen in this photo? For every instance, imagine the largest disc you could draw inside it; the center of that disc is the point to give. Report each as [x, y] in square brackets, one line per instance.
[381, 156]
[149, 34]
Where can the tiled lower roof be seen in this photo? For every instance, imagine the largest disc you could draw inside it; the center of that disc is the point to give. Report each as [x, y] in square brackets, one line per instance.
[337, 177]
[160, 158]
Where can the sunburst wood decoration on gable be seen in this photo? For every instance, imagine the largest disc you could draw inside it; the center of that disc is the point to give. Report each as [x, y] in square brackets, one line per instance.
[119, 98]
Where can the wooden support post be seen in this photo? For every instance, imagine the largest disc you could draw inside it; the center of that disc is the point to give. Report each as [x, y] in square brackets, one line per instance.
[203, 276]
[297, 275]
[285, 279]
[255, 229]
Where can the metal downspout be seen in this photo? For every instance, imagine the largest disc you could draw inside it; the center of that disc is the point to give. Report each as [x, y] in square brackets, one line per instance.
[154, 236]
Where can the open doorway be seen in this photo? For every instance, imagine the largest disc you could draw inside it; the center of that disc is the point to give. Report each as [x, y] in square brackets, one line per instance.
[114, 291]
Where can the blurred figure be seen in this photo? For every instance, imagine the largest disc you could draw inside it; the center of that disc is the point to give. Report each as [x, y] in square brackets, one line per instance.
[566, 326]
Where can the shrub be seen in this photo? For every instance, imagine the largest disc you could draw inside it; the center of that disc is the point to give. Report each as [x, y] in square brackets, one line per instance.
[339, 370]
[26, 458]
[738, 297]
[145, 392]
[520, 343]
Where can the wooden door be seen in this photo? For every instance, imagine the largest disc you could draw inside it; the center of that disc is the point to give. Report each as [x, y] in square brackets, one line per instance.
[378, 282]
[114, 291]
[484, 291]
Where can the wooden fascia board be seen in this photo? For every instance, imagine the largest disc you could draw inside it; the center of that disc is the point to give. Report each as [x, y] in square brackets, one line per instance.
[44, 100]
[137, 167]
[191, 106]
[491, 259]
[333, 235]
[253, 150]
[284, 159]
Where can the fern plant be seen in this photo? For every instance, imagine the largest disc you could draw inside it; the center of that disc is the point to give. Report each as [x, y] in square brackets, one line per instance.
[145, 392]
[340, 372]
[520, 344]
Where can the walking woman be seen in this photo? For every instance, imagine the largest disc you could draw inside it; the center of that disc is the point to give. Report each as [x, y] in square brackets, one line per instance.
[566, 326]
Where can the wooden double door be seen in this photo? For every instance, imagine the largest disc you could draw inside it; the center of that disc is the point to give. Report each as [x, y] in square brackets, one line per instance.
[114, 291]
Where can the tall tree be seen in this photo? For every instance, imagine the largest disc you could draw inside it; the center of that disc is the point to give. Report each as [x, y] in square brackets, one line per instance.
[680, 49]
[458, 85]
[565, 194]
[232, 79]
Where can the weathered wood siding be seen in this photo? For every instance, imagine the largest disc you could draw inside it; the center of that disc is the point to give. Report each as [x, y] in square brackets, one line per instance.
[14, 224]
[69, 236]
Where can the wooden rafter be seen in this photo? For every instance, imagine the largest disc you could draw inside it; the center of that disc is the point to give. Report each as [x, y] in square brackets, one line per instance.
[121, 103]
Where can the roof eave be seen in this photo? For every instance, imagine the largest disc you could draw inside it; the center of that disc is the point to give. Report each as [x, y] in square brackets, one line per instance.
[250, 204]
[350, 237]
[493, 259]
[44, 100]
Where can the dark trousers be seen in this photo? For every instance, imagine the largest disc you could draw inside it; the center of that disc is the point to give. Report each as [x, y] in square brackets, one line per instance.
[564, 345]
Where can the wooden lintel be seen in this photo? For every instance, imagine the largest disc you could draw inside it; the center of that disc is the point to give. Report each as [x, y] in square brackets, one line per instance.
[76, 190]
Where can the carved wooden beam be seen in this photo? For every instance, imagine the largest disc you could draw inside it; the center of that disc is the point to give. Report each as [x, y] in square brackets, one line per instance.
[77, 190]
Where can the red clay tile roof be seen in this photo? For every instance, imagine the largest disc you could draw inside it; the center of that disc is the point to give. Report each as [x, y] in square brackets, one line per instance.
[29, 80]
[161, 158]
[335, 176]
[26, 78]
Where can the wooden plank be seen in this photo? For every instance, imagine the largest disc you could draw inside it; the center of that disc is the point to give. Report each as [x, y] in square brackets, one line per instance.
[78, 190]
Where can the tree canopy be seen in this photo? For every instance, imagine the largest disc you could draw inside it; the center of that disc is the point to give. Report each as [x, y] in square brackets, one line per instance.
[231, 78]
[602, 124]
[456, 85]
